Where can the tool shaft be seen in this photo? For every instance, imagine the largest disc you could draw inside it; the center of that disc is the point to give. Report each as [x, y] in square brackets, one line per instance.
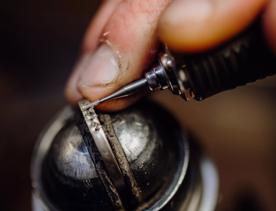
[125, 91]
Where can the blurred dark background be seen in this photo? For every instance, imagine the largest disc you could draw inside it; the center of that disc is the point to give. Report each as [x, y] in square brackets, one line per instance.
[39, 44]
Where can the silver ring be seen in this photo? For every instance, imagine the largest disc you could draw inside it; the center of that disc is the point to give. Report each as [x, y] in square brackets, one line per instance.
[102, 144]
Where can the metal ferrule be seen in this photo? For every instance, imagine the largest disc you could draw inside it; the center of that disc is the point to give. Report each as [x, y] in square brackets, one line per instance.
[167, 75]
[157, 78]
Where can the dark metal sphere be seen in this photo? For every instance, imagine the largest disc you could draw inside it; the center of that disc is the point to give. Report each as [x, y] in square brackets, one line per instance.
[158, 154]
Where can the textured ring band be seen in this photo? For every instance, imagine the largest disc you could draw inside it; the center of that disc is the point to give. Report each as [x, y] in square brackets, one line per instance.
[102, 144]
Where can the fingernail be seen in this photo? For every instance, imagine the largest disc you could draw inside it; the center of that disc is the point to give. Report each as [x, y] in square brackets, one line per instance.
[194, 10]
[101, 68]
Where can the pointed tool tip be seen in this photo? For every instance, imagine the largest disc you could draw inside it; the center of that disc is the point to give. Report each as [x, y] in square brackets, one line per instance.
[92, 104]
[125, 91]
[95, 103]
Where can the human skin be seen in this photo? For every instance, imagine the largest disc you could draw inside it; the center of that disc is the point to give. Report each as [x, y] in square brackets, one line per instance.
[122, 39]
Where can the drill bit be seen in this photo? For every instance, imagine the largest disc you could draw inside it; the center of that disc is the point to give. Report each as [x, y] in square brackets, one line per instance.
[158, 78]
[125, 91]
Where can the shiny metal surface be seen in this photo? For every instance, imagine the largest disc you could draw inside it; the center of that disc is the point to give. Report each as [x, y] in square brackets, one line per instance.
[153, 151]
[40, 151]
[73, 160]
[136, 137]
[62, 169]
[160, 170]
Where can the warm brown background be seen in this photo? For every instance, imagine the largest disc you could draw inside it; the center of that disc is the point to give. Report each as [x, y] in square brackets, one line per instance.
[39, 43]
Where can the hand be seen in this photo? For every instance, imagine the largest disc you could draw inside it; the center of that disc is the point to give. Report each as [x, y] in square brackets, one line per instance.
[122, 38]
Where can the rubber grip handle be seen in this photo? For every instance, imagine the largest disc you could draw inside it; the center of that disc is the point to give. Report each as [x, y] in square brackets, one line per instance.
[244, 59]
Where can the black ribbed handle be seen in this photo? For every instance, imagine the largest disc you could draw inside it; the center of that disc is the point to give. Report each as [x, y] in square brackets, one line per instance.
[244, 59]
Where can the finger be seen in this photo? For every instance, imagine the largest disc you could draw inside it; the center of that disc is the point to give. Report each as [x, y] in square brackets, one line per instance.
[128, 41]
[91, 41]
[270, 24]
[197, 25]
[95, 30]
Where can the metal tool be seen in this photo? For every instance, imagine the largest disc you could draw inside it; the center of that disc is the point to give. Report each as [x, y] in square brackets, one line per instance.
[244, 59]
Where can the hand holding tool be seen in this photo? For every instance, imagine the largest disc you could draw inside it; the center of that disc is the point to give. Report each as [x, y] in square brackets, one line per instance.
[244, 59]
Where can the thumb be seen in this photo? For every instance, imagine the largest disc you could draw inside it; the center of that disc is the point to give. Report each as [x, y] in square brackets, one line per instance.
[203, 24]
[122, 53]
